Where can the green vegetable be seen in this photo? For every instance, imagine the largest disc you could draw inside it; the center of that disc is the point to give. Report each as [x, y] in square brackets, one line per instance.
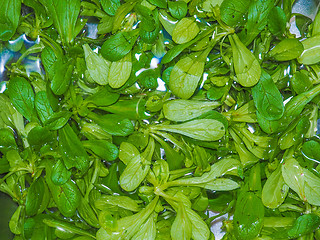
[135, 119]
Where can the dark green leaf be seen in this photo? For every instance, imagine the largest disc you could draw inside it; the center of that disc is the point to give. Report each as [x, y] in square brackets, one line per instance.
[110, 6]
[67, 196]
[10, 15]
[22, 96]
[103, 98]
[159, 3]
[43, 107]
[71, 149]
[58, 120]
[7, 141]
[40, 136]
[277, 21]
[62, 72]
[60, 174]
[64, 14]
[178, 9]
[34, 199]
[118, 45]
[113, 124]
[233, 12]
[267, 98]
[102, 148]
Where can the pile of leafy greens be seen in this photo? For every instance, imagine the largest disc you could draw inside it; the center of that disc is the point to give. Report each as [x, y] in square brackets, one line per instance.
[174, 110]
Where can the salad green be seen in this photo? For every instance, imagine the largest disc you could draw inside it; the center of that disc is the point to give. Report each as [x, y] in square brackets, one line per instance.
[173, 114]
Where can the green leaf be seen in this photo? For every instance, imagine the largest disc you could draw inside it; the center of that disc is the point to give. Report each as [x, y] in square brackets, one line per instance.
[312, 187]
[102, 148]
[120, 71]
[233, 12]
[113, 124]
[287, 49]
[133, 109]
[248, 216]
[311, 149]
[148, 229]
[293, 176]
[105, 25]
[183, 110]
[67, 196]
[121, 13]
[181, 227]
[15, 221]
[110, 6]
[97, 66]
[159, 3]
[64, 14]
[10, 12]
[257, 18]
[22, 96]
[274, 190]
[7, 140]
[185, 30]
[210, 180]
[267, 98]
[200, 129]
[36, 199]
[118, 45]
[48, 58]
[300, 82]
[311, 52]
[71, 149]
[102, 98]
[200, 230]
[62, 73]
[68, 227]
[42, 105]
[60, 174]
[57, 120]
[178, 9]
[245, 64]
[302, 226]
[277, 21]
[39, 137]
[87, 212]
[185, 77]
[105, 201]
[135, 172]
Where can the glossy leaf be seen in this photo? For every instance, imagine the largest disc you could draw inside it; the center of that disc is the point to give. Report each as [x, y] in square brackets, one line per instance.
[233, 12]
[245, 64]
[10, 12]
[60, 174]
[113, 124]
[102, 148]
[183, 110]
[22, 96]
[185, 77]
[311, 52]
[178, 9]
[267, 98]
[201, 129]
[71, 149]
[185, 30]
[120, 71]
[287, 49]
[64, 15]
[110, 6]
[119, 45]
[274, 190]
[97, 66]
